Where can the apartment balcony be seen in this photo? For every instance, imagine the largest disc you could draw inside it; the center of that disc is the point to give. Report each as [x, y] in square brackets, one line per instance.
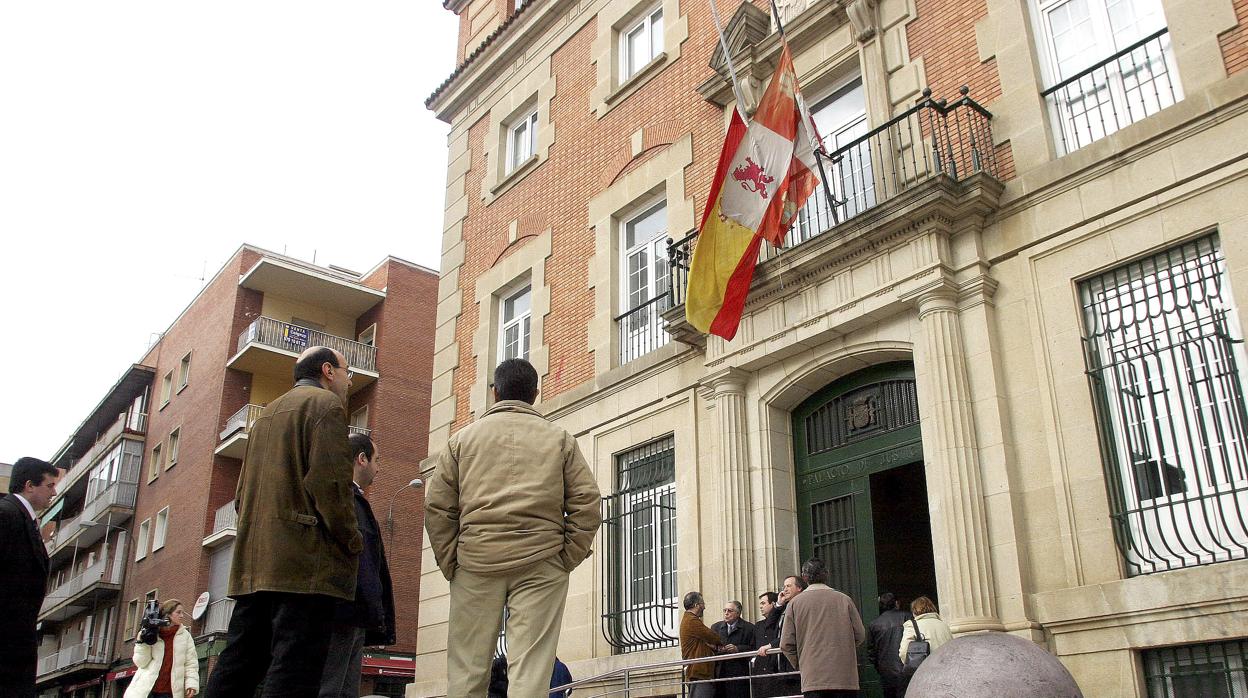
[224, 526]
[351, 429]
[100, 580]
[85, 656]
[115, 504]
[234, 435]
[270, 347]
[134, 423]
[217, 617]
[935, 160]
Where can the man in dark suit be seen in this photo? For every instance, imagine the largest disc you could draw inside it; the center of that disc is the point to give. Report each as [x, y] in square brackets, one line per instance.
[23, 573]
[369, 619]
[733, 630]
[883, 643]
[297, 548]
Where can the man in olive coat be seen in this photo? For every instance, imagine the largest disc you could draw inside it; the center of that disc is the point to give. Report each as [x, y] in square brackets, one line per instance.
[511, 510]
[297, 547]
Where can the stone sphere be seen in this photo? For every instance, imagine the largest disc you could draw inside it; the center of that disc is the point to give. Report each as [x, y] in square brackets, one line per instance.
[992, 665]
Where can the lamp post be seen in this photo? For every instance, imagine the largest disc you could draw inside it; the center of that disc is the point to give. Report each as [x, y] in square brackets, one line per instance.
[415, 483]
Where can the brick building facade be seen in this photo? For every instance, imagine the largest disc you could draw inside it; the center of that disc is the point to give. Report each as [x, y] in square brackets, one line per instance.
[980, 325]
[185, 409]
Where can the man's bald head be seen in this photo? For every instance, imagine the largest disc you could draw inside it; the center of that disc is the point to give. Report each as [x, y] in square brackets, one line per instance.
[313, 359]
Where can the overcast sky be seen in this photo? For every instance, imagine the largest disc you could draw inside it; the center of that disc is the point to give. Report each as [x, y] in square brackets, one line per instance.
[142, 142]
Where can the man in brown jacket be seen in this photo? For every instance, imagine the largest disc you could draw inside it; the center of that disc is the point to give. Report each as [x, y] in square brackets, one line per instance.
[297, 544]
[698, 641]
[820, 636]
[511, 509]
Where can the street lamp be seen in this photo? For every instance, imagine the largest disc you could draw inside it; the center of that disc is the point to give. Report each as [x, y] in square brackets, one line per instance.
[416, 483]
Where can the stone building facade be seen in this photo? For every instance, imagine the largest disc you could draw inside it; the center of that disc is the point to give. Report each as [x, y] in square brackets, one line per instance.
[999, 362]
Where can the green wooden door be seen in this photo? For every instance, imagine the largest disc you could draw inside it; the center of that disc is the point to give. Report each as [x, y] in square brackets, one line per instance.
[858, 426]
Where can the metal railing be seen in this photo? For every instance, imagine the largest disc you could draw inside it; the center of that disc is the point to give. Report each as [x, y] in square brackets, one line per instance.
[1134, 83]
[352, 429]
[657, 678]
[74, 654]
[217, 617]
[133, 422]
[641, 329]
[934, 138]
[109, 569]
[294, 338]
[242, 419]
[225, 518]
[1211, 669]
[121, 493]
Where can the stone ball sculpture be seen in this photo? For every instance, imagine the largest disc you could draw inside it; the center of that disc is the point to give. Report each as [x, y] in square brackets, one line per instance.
[992, 665]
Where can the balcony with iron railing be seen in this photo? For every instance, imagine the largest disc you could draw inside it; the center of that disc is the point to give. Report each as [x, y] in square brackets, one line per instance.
[224, 525]
[217, 617]
[101, 579]
[270, 347]
[116, 501]
[234, 435]
[69, 659]
[937, 156]
[1114, 93]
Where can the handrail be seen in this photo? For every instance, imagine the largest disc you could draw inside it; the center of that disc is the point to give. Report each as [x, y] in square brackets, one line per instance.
[1083, 73]
[664, 296]
[671, 663]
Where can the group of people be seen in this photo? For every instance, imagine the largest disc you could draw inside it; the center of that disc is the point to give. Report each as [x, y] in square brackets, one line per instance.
[816, 629]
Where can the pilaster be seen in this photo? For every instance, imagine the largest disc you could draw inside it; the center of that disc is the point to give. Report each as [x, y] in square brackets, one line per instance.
[735, 529]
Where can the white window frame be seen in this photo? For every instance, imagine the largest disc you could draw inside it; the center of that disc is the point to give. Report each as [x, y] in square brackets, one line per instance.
[161, 530]
[184, 372]
[158, 462]
[523, 322]
[175, 444]
[649, 28]
[840, 121]
[141, 540]
[654, 501]
[521, 140]
[369, 335]
[641, 333]
[166, 389]
[1100, 43]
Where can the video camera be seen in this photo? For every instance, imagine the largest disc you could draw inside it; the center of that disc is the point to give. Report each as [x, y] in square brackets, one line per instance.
[153, 621]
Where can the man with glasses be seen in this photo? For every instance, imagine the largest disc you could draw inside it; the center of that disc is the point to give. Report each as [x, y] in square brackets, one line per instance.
[297, 547]
[738, 633]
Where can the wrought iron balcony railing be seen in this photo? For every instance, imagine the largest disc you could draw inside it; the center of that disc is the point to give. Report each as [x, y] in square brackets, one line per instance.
[288, 337]
[1136, 82]
[934, 138]
[641, 329]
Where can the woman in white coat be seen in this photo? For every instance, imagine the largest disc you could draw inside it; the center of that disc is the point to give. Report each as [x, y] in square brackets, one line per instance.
[934, 630]
[169, 668]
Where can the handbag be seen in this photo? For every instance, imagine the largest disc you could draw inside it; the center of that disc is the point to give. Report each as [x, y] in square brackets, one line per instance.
[916, 652]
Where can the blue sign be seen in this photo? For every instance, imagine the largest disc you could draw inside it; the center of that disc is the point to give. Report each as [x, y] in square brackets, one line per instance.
[294, 334]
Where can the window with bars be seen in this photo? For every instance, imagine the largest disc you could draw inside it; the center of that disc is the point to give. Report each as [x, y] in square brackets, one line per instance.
[1211, 670]
[1165, 356]
[639, 535]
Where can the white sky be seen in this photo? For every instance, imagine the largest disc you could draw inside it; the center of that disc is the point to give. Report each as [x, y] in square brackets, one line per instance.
[142, 142]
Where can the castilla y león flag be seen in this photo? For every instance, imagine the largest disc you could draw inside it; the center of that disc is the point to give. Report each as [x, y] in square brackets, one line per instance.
[763, 178]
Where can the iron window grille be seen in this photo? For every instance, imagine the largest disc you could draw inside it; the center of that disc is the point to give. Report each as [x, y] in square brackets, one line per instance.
[1164, 352]
[1211, 670]
[639, 535]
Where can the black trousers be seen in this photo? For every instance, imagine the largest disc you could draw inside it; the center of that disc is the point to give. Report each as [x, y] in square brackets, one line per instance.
[831, 694]
[277, 638]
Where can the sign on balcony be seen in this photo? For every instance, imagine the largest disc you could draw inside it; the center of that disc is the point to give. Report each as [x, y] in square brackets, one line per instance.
[294, 334]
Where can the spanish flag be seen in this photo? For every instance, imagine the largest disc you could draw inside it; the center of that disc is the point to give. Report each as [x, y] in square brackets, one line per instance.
[763, 177]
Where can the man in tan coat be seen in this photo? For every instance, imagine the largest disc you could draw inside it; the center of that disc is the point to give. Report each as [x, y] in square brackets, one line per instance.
[820, 635]
[511, 510]
[297, 545]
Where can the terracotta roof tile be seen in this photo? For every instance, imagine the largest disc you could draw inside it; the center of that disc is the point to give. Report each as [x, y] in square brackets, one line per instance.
[489, 40]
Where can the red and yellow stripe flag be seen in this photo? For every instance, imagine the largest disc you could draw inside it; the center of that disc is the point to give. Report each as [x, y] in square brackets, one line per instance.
[761, 181]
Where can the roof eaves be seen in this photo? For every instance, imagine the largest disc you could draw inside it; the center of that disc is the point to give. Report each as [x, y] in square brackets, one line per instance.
[485, 44]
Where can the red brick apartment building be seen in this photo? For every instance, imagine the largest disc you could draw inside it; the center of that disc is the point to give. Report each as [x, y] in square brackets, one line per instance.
[956, 340]
[146, 504]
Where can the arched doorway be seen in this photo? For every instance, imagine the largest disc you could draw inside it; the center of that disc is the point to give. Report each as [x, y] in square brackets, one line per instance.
[862, 492]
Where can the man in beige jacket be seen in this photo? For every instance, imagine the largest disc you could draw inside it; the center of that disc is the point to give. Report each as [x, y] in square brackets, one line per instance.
[511, 510]
[820, 636]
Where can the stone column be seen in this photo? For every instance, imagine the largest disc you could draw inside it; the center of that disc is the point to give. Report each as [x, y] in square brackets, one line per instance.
[951, 458]
[733, 538]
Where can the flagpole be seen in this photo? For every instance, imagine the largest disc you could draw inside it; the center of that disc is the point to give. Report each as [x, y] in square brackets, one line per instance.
[827, 188]
[732, 71]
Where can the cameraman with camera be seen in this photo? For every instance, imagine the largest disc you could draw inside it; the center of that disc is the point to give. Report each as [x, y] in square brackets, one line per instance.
[164, 654]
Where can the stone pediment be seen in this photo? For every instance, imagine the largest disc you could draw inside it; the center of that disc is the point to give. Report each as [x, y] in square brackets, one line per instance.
[748, 26]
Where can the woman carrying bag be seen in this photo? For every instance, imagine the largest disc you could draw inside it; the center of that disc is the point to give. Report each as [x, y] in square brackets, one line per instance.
[926, 631]
[169, 668]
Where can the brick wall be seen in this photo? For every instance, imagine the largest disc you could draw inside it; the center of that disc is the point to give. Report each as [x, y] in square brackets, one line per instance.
[399, 417]
[193, 488]
[1235, 42]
